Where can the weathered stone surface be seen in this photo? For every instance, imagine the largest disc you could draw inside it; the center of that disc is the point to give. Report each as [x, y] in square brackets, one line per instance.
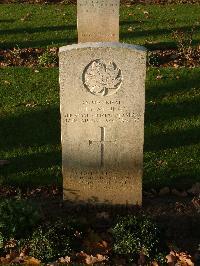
[98, 20]
[102, 122]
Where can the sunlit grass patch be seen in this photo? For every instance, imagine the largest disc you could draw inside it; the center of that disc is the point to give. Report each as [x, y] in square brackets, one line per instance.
[29, 25]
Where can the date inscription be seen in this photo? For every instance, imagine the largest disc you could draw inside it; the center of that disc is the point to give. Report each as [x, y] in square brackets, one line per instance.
[103, 112]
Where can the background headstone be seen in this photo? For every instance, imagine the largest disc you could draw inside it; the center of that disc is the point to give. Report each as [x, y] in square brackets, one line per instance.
[98, 20]
[102, 122]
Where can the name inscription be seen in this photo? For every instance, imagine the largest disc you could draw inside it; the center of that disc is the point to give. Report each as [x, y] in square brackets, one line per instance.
[103, 111]
[97, 34]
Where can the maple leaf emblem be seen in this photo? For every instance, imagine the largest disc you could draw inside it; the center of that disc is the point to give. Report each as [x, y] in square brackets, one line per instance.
[101, 78]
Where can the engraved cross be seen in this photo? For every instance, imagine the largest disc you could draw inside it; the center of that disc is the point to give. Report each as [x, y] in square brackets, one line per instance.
[103, 141]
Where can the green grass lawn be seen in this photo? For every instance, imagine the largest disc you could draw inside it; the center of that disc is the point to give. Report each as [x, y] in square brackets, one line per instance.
[30, 127]
[24, 25]
[29, 106]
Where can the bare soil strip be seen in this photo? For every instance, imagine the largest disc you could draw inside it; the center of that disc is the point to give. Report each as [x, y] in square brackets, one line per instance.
[33, 57]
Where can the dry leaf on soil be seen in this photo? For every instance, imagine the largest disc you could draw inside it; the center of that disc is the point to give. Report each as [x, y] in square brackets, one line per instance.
[31, 261]
[64, 260]
[179, 259]
[90, 259]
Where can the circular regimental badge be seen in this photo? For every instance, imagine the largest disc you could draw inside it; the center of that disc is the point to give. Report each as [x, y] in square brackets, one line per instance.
[101, 78]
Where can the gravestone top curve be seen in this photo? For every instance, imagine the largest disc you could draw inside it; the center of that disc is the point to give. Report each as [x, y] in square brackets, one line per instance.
[138, 48]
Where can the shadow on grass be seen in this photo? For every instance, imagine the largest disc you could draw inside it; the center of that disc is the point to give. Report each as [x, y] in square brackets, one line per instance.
[37, 29]
[156, 32]
[38, 42]
[131, 36]
[30, 128]
[35, 138]
[30, 138]
[171, 111]
[30, 162]
[181, 105]
[169, 84]
[37, 169]
[174, 139]
[153, 33]
[130, 22]
[6, 21]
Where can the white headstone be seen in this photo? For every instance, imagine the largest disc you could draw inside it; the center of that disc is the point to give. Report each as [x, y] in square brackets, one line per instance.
[98, 20]
[102, 122]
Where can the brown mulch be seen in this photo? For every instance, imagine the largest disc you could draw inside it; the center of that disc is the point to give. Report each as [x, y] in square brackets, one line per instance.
[176, 203]
[31, 57]
[160, 2]
[45, 192]
[173, 58]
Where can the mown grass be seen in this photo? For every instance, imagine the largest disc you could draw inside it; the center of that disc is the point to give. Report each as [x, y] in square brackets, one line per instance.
[30, 127]
[24, 25]
[172, 126]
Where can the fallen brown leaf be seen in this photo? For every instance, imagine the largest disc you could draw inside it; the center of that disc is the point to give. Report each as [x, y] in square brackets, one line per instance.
[185, 259]
[65, 260]
[31, 261]
[179, 259]
[171, 259]
[154, 263]
[90, 259]
[196, 203]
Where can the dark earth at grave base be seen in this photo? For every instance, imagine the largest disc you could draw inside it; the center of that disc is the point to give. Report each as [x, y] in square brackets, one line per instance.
[179, 216]
[30, 57]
